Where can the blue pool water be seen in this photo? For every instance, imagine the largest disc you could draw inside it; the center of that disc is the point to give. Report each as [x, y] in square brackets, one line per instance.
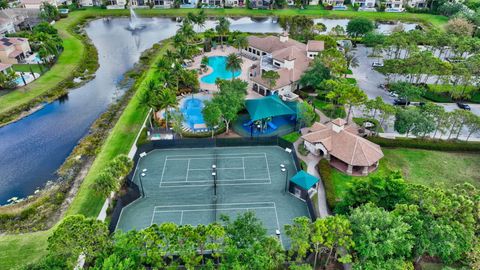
[192, 112]
[219, 66]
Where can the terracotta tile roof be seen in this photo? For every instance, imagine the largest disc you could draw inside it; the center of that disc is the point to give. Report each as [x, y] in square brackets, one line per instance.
[270, 44]
[315, 45]
[344, 145]
[4, 66]
[339, 122]
[8, 42]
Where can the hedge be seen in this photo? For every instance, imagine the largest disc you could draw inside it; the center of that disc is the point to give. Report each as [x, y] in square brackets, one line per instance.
[325, 172]
[428, 144]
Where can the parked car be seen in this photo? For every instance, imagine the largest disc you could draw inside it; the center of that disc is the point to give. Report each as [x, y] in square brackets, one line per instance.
[377, 64]
[416, 103]
[463, 106]
[401, 102]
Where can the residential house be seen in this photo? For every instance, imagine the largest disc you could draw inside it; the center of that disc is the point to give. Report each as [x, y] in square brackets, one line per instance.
[394, 6]
[335, 3]
[217, 3]
[364, 4]
[340, 144]
[13, 50]
[6, 26]
[289, 58]
[417, 3]
[5, 68]
[234, 3]
[260, 4]
[36, 4]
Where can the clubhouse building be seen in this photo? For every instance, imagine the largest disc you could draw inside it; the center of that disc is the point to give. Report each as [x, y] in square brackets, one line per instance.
[340, 144]
[288, 57]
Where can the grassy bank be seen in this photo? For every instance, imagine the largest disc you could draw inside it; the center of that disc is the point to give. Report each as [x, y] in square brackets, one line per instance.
[427, 19]
[119, 142]
[431, 168]
[86, 202]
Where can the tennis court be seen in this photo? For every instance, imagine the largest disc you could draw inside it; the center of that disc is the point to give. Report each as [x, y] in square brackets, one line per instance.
[197, 186]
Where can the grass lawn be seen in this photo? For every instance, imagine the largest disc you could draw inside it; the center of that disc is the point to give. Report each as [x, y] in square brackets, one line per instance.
[119, 142]
[292, 137]
[26, 68]
[21, 249]
[86, 202]
[431, 168]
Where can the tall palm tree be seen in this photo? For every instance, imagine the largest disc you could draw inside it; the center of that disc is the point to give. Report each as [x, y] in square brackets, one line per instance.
[222, 28]
[234, 63]
[167, 99]
[241, 42]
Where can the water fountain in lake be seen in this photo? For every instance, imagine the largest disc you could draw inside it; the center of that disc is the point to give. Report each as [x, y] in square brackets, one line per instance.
[135, 23]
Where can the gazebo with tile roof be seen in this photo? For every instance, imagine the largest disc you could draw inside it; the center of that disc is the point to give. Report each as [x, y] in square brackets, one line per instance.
[340, 144]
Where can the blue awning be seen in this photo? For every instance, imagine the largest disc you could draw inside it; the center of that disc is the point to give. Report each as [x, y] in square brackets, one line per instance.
[304, 180]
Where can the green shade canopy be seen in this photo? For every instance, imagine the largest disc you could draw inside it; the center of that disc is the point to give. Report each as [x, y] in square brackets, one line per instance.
[266, 107]
[304, 180]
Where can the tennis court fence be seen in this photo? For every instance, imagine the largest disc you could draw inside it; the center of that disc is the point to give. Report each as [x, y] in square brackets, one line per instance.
[134, 192]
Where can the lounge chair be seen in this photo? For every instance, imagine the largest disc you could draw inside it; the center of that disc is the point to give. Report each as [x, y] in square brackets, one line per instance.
[272, 126]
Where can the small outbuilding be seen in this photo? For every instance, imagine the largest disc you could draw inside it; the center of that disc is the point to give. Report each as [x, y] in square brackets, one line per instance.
[301, 183]
[340, 144]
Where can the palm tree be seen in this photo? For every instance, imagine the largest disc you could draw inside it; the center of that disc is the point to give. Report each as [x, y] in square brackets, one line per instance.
[222, 28]
[234, 63]
[241, 42]
[166, 99]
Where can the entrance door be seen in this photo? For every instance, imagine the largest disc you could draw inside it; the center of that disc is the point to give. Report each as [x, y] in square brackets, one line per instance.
[298, 192]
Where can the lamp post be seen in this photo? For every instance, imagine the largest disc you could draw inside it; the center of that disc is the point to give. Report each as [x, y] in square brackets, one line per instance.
[284, 169]
[143, 174]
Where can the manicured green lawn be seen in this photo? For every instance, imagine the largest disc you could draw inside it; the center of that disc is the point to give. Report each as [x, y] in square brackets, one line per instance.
[292, 137]
[121, 139]
[431, 168]
[86, 202]
[26, 68]
[21, 249]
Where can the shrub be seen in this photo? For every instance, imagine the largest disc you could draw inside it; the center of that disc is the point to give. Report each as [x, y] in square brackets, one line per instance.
[325, 172]
[302, 150]
[110, 179]
[428, 144]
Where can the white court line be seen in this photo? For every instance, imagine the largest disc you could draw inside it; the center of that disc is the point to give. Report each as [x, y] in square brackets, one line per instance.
[211, 204]
[153, 217]
[199, 155]
[223, 184]
[209, 210]
[224, 180]
[163, 171]
[188, 170]
[243, 165]
[209, 169]
[203, 158]
[268, 168]
[181, 218]
[278, 223]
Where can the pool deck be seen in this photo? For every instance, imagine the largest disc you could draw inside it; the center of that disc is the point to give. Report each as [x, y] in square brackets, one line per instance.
[247, 63]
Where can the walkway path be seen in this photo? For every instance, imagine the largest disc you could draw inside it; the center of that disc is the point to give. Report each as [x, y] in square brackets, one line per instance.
[312, 162]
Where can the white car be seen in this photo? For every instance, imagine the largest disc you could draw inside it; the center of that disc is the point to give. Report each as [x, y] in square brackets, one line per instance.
[377, 64]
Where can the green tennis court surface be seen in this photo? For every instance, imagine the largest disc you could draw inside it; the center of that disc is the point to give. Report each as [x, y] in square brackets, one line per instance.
[179, 187]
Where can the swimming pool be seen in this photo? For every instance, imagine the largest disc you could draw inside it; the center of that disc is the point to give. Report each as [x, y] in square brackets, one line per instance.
[192, 112]
[219, 66]
[28, 78]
